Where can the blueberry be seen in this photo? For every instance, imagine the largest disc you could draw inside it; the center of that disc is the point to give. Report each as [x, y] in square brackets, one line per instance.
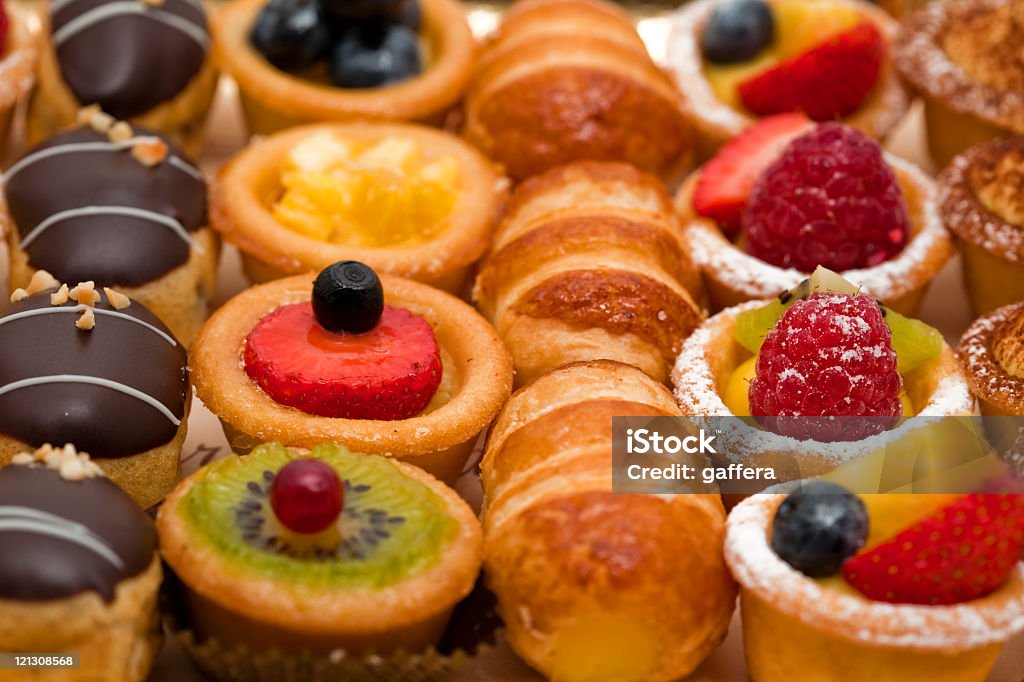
[291, 34]
[818, 527]
[348, 297]
[737, 31]
[359, 10]
[371, 54]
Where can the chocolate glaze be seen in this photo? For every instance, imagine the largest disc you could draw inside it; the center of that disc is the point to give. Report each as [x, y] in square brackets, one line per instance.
[113, 250]
[35, 566]
[128, 63]
[97, 419]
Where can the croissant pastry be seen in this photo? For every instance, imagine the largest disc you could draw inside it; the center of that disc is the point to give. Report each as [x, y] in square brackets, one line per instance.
[589, 263]
[594, 585]
[564, 80]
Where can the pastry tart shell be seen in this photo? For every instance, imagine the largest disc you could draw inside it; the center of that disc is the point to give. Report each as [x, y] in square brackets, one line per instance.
[479, 372]
[272, 99]
[999, 393]
[246, 186]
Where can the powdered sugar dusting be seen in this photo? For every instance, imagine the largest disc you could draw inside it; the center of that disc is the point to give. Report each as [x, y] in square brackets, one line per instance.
[988, 379]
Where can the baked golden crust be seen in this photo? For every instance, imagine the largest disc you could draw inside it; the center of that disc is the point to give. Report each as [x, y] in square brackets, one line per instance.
[247, 185]
[588, 263]
[563, 81]
[260, 612]
[570, 561]
[273, 99]
[478, 379]
[990, 354]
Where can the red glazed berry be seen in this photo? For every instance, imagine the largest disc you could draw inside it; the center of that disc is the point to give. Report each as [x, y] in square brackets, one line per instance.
[830, 355]
[830, 199]
[307, 496]
[5, 26]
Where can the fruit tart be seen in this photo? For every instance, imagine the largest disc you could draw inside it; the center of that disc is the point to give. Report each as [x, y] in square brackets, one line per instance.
[408, 200]
[980, 203]
[383, 366]
[738, 60]
[805, 364]
[964, 57]
[79, 573]
[139, 60]
[300, 61]
[130, 213]
[18, 56]
[788, 195]
[916, 588]
[311, 553]
[94, 368]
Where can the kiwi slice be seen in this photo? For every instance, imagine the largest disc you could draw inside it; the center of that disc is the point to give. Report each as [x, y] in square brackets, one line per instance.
[914, 341]
[390, 527]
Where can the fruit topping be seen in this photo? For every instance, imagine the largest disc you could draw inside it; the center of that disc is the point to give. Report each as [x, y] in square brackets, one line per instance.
[375, 53]
[828, 81]
[819, 527]
[348, 297]
[830, 355]
[291, 34]
[737, 31]
[377, 194]
[806, 24]
[961, 552]
[358, 10]
[306, 496]
[830, 199]
[725, 182]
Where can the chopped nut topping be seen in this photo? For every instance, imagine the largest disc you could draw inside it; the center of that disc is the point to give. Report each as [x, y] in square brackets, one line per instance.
[60, 297]
[120, 132]
[18, 294]
[71, 464]
[85, 114]
[150, 152]
[41, 281]
[117, 299]
[87, 320]
[85, 293]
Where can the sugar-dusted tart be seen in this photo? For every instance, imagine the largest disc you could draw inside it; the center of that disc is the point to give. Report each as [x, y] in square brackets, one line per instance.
[736, 61]
[916, 588]
[79, 573]
[407, 200]
[319, 551]
[18, 56]
[980, 202]
[383, 366]
[964, 58]
[789, 195]
[992, 354]
[409, 64]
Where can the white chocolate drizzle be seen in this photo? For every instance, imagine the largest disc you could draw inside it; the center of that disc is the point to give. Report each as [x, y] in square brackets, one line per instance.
[125, 7]
[95, 381]
[18, 519]
[80, 309]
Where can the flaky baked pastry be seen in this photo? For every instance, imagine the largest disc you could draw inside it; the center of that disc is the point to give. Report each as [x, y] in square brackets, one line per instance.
[592, 584]
[570, 79]
[589, 263]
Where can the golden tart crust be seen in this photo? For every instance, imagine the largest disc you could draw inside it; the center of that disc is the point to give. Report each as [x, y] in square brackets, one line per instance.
[796, 629]
[717, 122]
[17, 68]
[981, 203]
[732, 276]
[477, 368]
[990, 344]
[246, 186]
[273, 99]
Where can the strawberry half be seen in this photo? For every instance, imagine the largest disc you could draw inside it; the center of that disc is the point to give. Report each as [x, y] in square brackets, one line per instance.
[961, 552]
[826, 82]
[390, 372]
[725, 182]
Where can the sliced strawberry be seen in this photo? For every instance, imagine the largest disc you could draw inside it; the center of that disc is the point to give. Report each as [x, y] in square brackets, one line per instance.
[389, 372]
[826, 82]
[961, 552]
[726, 180]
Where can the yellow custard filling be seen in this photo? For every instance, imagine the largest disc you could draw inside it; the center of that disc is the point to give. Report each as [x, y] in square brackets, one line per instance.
[369, 194]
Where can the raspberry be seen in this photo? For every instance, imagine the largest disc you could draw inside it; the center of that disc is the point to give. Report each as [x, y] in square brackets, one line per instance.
[830, 199]
[830, 355]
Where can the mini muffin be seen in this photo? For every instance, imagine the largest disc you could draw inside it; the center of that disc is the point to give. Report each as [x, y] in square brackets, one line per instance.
[130, 213]
[408, 200]
[964, 57]
[333, 60]
[18, 56]
[98, 370]
[980, 201]
[79, 573]
[319, 552]
[147, 62]
[383, 366]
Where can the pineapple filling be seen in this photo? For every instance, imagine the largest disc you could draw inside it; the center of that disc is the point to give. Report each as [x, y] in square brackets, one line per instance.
[370, 194]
